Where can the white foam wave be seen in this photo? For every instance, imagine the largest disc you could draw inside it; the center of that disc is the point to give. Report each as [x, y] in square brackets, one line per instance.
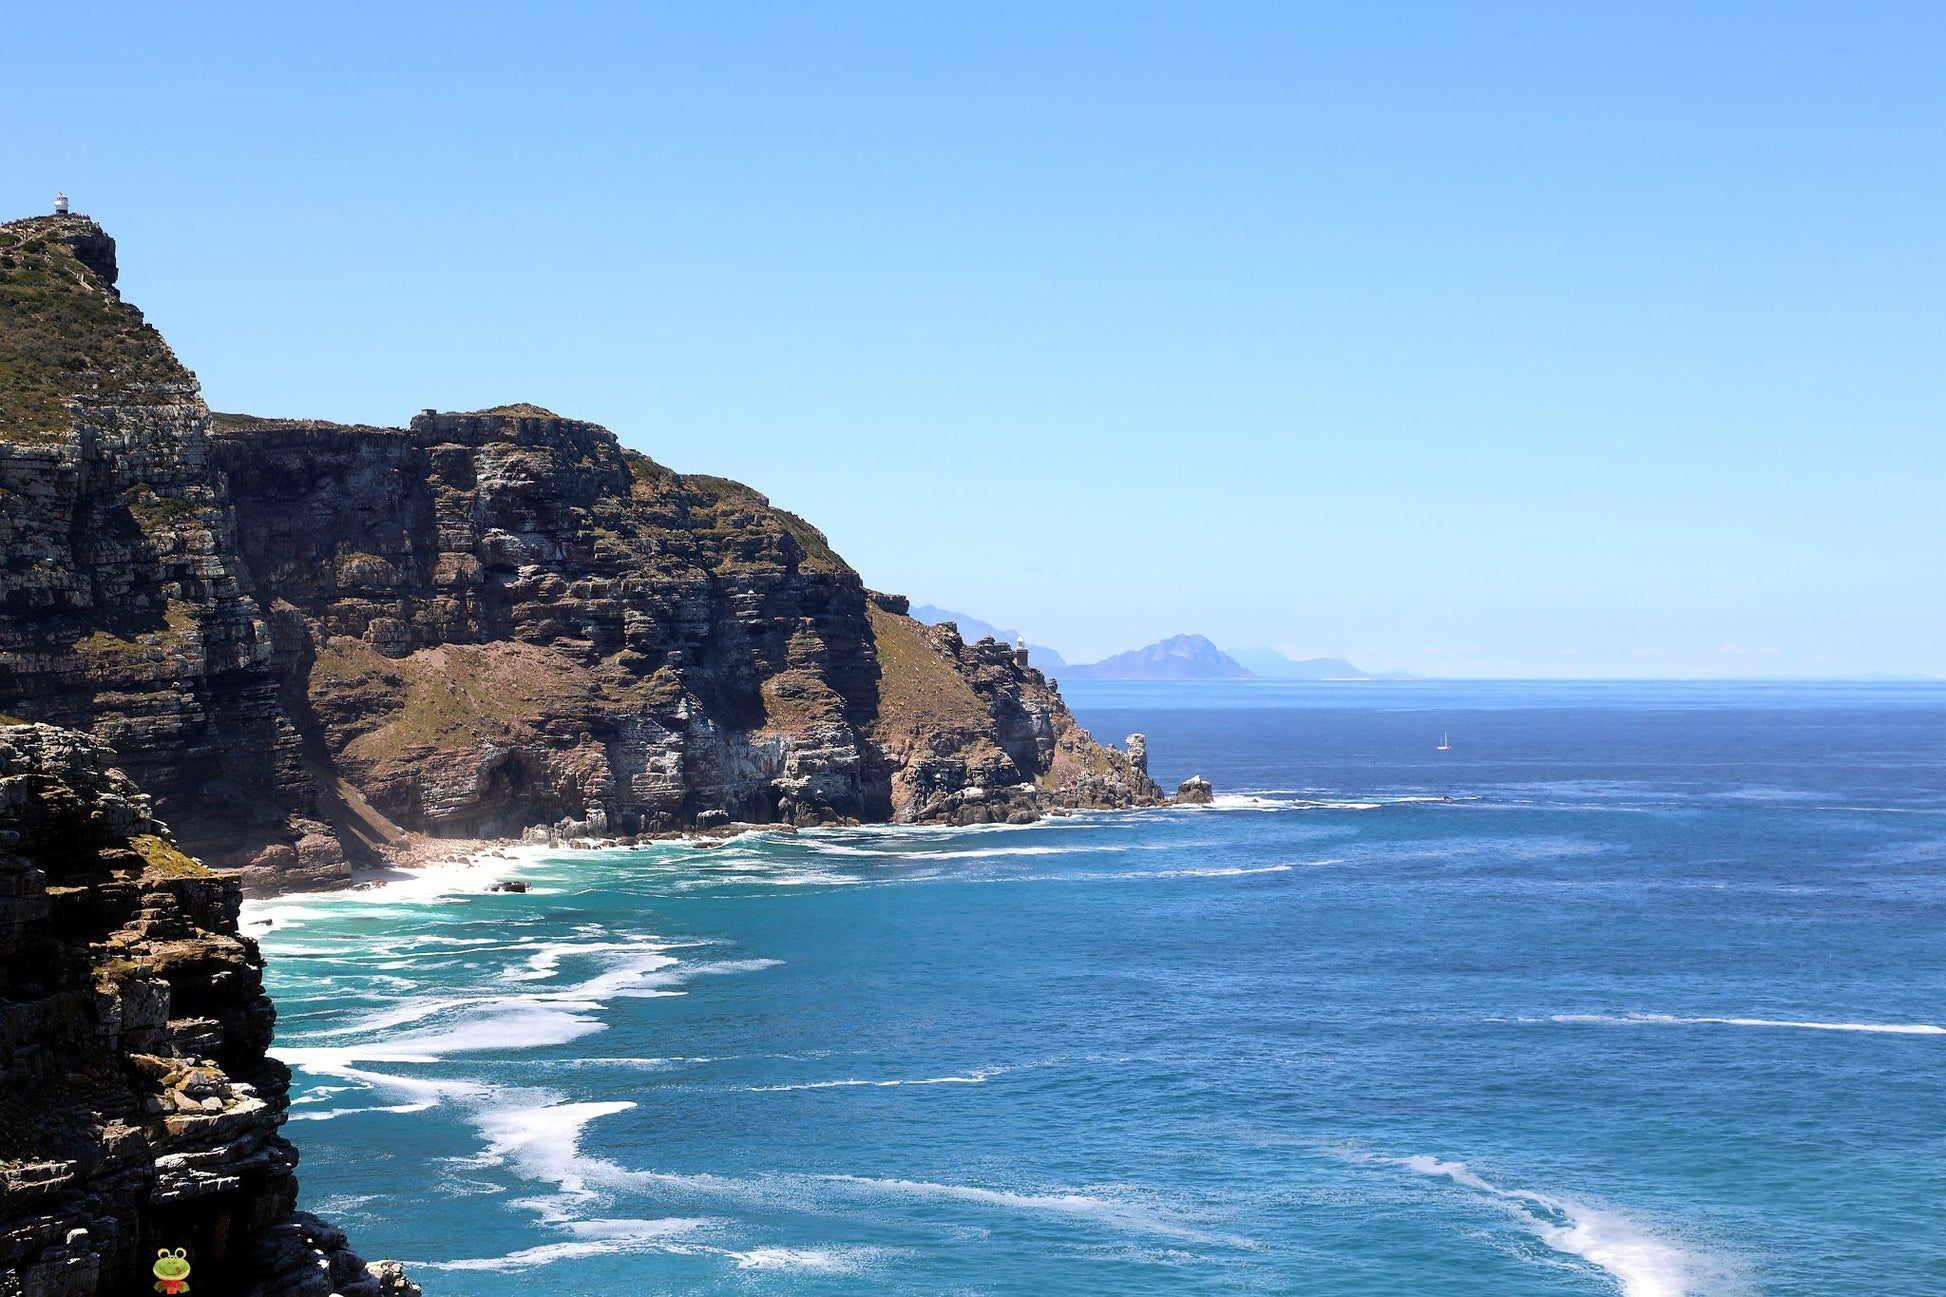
[987, 853]
[1259, 802]
[1643, 1264]
[978, 1078]
[331, 1114]
[543, 1142]
[410, 1011]
[1247, 802]
[804, 878]
[1230, 872]
[475, 1024]
[1284, 799]
[497, 1024]
[596, 1238]
[660, 982]
[546, 956]
[422, 884]
[332, 1060]
[820, 1260]
[1106, 1211]
[258, 912]
[1666, 1019]
[504, 1025]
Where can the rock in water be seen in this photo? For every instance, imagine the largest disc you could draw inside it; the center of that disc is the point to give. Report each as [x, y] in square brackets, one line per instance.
[1195, 791]
[308, 639]
[138, 1107]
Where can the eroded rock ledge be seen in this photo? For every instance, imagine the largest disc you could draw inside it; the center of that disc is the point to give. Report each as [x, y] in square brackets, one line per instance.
[138, 1110]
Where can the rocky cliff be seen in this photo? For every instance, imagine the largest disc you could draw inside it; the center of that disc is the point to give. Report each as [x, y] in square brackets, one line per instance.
[308, 639]
[138, 1111]
[123, 609]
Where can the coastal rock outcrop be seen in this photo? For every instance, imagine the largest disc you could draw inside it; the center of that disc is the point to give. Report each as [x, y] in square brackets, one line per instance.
[974, 735]
[138, 1110]
[310, 639]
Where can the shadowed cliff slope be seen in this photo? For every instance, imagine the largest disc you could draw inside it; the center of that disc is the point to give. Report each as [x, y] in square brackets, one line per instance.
[307, 638]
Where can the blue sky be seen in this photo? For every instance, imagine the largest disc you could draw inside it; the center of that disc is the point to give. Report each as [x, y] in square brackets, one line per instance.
[1486, 339]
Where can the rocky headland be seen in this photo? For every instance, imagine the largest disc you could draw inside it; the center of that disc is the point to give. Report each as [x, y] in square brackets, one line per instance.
[311, 641]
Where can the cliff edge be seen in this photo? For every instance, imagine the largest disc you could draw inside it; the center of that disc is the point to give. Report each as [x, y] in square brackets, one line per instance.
[308, 639]
[138, 1111]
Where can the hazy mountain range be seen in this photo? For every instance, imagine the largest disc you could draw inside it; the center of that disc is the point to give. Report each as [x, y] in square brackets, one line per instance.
[1180, 657]
[1272, 664]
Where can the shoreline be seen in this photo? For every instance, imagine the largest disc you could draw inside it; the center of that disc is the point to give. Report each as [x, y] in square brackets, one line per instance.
[418, 855]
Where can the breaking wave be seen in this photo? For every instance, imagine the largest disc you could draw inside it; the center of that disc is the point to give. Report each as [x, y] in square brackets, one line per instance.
[1667, 1019]
[1641, 1262]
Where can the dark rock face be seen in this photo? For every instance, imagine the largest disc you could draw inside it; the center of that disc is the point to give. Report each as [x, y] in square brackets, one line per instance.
[492, 621]
[138, 1110]
[307, 639]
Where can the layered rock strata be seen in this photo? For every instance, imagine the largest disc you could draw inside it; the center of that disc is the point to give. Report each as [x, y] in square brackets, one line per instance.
[310, 639]
[138, 1110]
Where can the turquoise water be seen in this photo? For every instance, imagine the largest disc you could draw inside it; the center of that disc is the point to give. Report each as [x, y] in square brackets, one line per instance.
[1651, 1005]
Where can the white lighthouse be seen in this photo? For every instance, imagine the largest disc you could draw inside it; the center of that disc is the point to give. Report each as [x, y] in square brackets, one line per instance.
[60, 204]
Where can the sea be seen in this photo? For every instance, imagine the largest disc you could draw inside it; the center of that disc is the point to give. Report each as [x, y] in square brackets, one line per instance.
[1633, 988]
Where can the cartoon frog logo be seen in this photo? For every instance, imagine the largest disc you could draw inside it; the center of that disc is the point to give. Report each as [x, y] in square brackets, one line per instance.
[171, 1271]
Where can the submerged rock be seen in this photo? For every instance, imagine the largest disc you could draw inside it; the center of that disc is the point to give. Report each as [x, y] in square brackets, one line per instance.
[1195, 791]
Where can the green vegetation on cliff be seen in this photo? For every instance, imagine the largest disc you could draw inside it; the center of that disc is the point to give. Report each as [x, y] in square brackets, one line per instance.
[64, 331]
[919, 690]
[165, 861]
[718, 504]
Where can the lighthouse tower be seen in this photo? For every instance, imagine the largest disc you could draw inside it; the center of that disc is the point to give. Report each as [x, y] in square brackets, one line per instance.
[60, 204]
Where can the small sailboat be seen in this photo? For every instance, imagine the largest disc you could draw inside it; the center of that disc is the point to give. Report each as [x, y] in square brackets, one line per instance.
[1444, 746]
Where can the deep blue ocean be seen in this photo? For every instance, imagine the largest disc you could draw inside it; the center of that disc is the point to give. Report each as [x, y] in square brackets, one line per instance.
[1636, 989]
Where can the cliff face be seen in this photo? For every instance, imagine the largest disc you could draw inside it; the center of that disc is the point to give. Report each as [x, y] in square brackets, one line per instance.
[137, 1108]
[307, 638]
[491, 621]
[122, 604]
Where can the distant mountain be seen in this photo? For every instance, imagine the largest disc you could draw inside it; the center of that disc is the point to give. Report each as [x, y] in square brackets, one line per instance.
[1180, 657]
[1272, 665]
[971, 628]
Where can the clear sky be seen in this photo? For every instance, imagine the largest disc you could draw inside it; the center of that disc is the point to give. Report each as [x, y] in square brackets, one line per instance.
[1473, 338]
